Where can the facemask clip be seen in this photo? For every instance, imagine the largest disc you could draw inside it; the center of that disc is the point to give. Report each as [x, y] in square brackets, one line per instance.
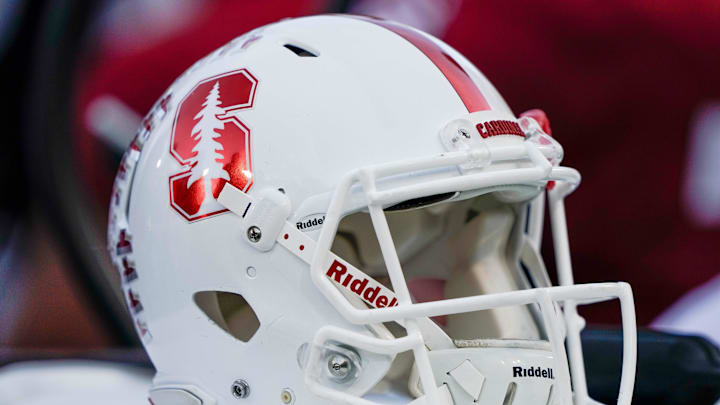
[461, 136]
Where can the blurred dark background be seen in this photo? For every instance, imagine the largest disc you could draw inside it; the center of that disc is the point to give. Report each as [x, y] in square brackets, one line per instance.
[631, 88]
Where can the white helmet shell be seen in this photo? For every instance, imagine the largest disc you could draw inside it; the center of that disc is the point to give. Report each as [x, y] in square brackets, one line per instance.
[235, 187]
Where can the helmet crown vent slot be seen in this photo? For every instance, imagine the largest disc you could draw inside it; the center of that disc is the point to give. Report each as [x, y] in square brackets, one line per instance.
[300, 51]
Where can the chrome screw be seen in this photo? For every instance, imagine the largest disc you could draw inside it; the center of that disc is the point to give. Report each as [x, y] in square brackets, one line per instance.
[339, 366]
[240, 389]
[254, 234]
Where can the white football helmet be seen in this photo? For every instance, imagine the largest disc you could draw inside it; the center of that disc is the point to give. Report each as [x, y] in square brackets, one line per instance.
[343, 210]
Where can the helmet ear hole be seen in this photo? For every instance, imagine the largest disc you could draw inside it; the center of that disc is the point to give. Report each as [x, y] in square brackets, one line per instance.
[230, 311]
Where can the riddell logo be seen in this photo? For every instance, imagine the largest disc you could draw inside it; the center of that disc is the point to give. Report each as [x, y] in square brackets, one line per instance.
[534, 372]
[372, 294]
[310, 222]
[210, 143]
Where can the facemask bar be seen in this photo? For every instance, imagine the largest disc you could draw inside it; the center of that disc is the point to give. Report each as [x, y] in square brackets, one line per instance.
[574, 322]
[537, 217]
[544, 297]
[541, 172]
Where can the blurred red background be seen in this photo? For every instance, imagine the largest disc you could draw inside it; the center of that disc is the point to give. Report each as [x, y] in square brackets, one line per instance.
[629, 86]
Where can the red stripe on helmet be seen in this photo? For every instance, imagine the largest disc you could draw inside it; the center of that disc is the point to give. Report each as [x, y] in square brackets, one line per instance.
[456, 75]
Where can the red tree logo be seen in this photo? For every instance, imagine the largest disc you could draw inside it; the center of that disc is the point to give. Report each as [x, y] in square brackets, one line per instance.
[210, 143]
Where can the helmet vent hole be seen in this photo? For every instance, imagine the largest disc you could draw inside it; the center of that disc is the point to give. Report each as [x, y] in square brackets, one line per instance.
[421, 202]
[510, 394]
[550, 395]
[231, 312]
[299, 51]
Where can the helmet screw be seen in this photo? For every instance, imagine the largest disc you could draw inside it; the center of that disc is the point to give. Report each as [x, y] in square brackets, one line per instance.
[286, 396]
[339, 366]
[254, 234]
[464, 133]
[240, 389]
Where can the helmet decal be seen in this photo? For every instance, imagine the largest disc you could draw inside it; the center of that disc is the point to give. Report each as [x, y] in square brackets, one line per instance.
[120, 241]
[210, 143]
[466, 89]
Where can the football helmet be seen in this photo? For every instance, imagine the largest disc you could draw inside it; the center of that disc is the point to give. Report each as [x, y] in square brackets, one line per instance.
[343, 210]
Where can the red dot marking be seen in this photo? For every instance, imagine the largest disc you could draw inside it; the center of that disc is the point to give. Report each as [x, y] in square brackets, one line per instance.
[302, 247]
[286, 236]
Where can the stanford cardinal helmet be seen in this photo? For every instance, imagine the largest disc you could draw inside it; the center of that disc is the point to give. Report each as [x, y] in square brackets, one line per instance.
[343, 210]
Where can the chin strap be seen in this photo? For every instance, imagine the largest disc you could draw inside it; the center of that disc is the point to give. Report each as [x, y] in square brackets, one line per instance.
[265, 223]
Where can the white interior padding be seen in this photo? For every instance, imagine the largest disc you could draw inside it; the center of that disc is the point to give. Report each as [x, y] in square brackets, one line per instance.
[472, 246]
[487, 271]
